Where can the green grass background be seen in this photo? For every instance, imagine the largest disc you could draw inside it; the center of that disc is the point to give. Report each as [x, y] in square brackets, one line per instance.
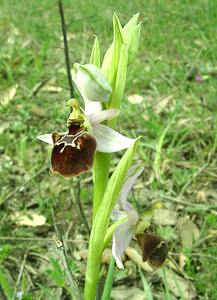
[178, 38]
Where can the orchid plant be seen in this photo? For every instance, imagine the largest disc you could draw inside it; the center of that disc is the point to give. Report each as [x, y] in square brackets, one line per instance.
[87, 144]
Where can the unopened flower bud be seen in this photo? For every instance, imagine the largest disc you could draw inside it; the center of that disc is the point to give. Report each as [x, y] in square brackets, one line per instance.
[91, 82]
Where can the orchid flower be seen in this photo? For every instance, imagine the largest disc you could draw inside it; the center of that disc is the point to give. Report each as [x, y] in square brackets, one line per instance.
[154, 248]
[73, 151]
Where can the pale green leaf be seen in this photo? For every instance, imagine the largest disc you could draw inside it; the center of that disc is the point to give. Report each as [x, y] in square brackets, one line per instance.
[95, 54]
[114, 185]
[134, 44]
[106, 64]
[101, 221]
[129, 29]
[120, 80]
[111, 60]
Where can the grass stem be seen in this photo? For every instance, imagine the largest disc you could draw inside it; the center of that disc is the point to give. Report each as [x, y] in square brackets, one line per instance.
[66, 48]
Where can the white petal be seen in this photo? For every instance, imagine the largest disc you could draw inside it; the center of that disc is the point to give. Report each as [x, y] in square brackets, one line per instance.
[47, 138]
[91, 106]
[117, 213]
[121, 240]
[109, 140]
[133, 173]
[100, 116]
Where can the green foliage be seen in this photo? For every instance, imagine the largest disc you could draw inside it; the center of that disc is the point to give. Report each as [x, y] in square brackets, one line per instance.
[146, 286]
[5, 251]
[56, 273]
[6, 285]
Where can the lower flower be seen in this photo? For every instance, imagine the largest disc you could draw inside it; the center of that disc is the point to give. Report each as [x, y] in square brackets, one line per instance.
[154, 248]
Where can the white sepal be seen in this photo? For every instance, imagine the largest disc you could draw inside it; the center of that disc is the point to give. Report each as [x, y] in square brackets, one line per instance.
[121, 240]
[101, 116]
[109, 140]
[134, 172]
[46, 138]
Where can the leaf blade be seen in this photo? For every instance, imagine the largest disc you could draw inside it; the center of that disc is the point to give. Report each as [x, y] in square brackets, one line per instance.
[101, 221]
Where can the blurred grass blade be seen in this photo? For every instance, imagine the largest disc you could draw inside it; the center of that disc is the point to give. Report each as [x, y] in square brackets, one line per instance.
[146, 286]
[56, 273]
[167, 295]
[5, 285]
[182, 297]
[158, 157]
[109, 281]
[95, 54]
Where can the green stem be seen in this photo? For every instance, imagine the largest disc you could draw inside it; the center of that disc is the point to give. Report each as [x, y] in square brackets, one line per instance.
[66, 48]
[100, 178]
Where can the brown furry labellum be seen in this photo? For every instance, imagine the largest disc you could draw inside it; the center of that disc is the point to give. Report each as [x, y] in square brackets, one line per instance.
[73, 152]
[154, 249]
